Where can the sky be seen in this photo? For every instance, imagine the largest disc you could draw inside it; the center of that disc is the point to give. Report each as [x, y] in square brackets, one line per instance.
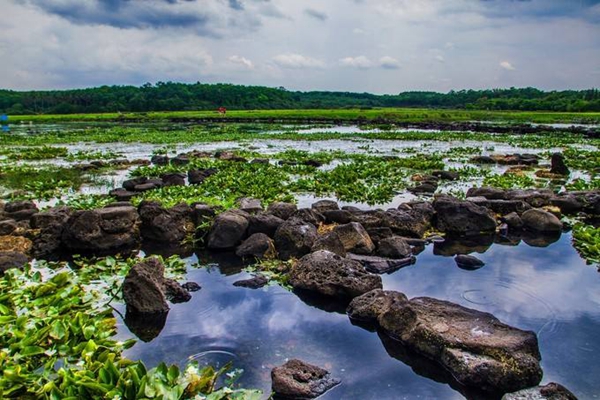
[377, 46]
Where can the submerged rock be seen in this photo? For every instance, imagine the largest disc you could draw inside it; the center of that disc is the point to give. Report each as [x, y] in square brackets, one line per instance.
[255, 282]
[551, 391]
[299, 380]
[382, 265]
[468, 262]
[331, 275]
[295, 238]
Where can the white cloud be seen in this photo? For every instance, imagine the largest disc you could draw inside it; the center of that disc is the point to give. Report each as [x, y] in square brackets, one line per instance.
[297, 61]
[507, 66]
[361, 62]
[388, 62]
[440, 58]
[243, 61]
[358, 31]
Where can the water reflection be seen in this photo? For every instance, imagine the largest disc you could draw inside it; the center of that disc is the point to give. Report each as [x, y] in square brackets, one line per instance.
[549, 290]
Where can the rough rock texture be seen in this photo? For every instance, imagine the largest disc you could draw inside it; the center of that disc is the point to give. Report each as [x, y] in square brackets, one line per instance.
[294, 238]
[309, 215]
[7, 227]
[568, 204]
[130, 184]
[257, 245]
[255, 282]
[298, 380]
[282, 210]
[462, 217]
[371, 305]
[165, 225]
[145, 289]
[468, 262]
[264, 223]
[331, 242]
[20, 210]
[102, 231]
[355, 238]
[228, 230]
[121, 194]
[487, 192]
[338, 216]
[11, 259]
[19, 244]
[394, 247]
[558, 165]
[474, 346]
[325, 205]
[551, 391]
[329, 274]
[541, 221]
[513, 221]
[250, 205]
[47, 244]
[174, 179]
[197, 176]
[410, 219]
[381, 265]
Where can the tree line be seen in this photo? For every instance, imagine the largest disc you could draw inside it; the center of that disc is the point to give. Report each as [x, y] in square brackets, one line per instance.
[172, 96]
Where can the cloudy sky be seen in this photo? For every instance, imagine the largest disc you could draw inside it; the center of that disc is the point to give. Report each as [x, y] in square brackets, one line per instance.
[381, 46]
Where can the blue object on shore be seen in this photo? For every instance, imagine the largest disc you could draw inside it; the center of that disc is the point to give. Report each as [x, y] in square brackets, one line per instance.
[5, 128]
[4, 118]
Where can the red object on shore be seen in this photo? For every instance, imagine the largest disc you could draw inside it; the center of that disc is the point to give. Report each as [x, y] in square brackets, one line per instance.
[222, 110]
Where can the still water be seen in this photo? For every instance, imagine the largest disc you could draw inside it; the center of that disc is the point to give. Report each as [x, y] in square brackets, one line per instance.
[548, 290]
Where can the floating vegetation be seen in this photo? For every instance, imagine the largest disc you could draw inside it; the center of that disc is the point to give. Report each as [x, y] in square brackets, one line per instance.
[586, 239]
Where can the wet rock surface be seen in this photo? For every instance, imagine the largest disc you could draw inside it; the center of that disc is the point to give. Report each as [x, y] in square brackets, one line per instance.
[294, 238]
[257, 245]
[331, 275]
[551, 391]
[297, 379]
[468, 262]
[160, 224]
[11, 259]
[462, 217]
[228, 230]
[355, 238]
[541, 221]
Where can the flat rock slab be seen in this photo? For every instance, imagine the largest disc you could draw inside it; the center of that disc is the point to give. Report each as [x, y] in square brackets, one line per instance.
[299, 380]
[382, 265]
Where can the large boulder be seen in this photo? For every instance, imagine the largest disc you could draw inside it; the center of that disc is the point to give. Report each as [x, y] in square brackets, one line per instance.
[462, 217]
[330, 241]
[20, 210]
[264, 223]
[541, 221]
[309, 215]
[410, 219]
[478, 349]
[369, 306]
[355, 238]
[103, 231]
[551, 391]
[47, 244]
[257, 245]
[394, 247]
[294, 238]
[331, 275]
[325, 205]
[164, 225]
[228, 230]
[299, 380]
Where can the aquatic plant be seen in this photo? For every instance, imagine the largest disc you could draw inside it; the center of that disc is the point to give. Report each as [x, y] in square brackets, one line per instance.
[586, 239]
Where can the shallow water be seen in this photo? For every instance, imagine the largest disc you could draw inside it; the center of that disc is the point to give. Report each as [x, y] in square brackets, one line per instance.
[548, 290]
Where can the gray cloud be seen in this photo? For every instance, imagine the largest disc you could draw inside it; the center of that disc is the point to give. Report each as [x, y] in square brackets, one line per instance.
[321, 16]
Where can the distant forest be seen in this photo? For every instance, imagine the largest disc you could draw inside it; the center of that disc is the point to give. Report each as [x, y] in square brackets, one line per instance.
[171, 96]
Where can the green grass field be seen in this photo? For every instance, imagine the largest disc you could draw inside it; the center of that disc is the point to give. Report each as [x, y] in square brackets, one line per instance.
[393, 115]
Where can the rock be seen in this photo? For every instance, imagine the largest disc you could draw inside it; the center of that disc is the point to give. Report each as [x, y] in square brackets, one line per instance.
[424, 188]
[228, 230]
[47, 244]
[378, 234]
[371, 218]
[551, 391]
[568, 204]
[330, 242]
[410, 219]
[282, 210]
[255, 282]
[130, 184]
[558, 165]
[122, 194]
[381, 265]
[18, 244]
[534, 197]
[264, 223]
[250, 205]
[313, 163]
[541, 221]
[325, 205]
[371, 305]
[513, 221]
[260, 161]
[298, 380]
[180, 159]
[197, 176]
[20, 210]
[257, 245]
[143, 288]
[191, 286]
[163, 225]
[310, 216]
[477, 348]
[7, 227]
[487, 192]
[462, 217]
[11, 259]
[175, 179]
[446, 175]
[355, 238]
[394, 247]
[202, 213]
[174, 292]
[331, 275]
[144, 187]
[337, 216]
[468, 262]
[504, 207]
[294, 238]
[101, 232]
[483, 160]
[159, 160]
